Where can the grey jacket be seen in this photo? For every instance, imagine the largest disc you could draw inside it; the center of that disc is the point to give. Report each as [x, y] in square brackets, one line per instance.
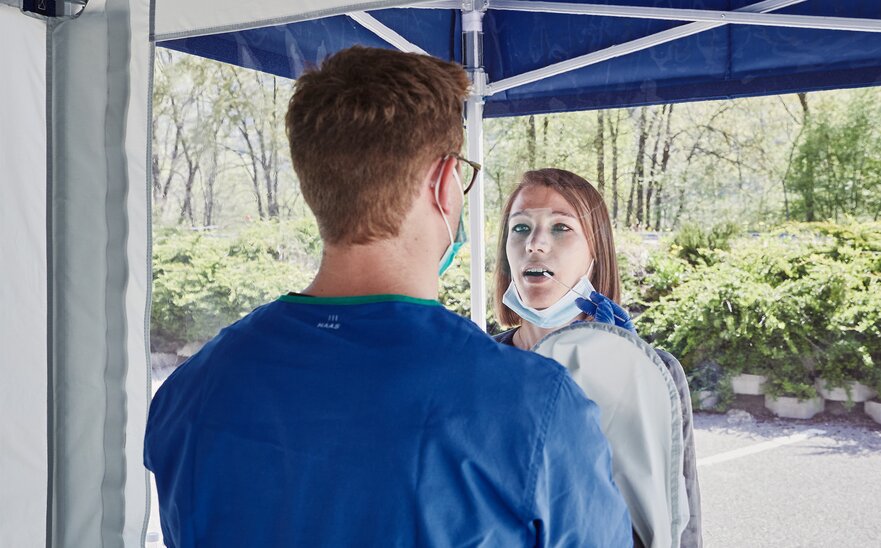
[692, 536]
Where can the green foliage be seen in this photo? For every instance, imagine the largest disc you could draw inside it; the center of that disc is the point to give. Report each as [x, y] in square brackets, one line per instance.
[203, 281]
[455, 284]
[695, 245]
[725, 393]
[454, 291]
[663, 273]
[632, 260]
[836, 170]
[803, 390]
[795, 304]
[707, 375]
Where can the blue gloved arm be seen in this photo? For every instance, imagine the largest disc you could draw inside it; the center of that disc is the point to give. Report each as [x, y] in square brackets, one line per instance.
[605, 310]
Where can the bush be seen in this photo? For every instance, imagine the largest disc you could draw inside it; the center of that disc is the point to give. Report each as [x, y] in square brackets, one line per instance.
[696, 245]
[455, 285]
[664, 272]
[793, 305]
[632, 263]
[206, 280]
[455, 290]
[203, 281]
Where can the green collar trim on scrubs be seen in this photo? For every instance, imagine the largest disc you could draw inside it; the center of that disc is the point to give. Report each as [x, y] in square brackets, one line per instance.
[362, 299]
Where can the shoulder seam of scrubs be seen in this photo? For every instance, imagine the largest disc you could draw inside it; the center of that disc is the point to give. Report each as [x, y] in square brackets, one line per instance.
[528, 504]
[360, 299]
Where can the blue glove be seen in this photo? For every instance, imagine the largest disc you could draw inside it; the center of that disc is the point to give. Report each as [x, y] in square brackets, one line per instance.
[605, 310]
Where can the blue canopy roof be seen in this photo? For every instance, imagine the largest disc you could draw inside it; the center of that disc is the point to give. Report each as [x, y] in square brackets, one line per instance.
[728, 61]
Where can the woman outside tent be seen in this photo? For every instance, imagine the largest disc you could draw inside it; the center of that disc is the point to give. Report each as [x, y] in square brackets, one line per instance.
[556, 234]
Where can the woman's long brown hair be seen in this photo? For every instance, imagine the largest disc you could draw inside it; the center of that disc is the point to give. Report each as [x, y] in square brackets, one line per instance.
[595, 222]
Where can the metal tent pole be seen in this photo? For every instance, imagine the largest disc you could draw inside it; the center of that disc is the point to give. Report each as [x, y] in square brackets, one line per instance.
[472, 36]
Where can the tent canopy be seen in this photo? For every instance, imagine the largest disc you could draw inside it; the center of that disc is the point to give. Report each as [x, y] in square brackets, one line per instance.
[712, 60]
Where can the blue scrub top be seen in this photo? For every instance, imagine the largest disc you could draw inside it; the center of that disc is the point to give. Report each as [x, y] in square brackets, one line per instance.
[377, 421]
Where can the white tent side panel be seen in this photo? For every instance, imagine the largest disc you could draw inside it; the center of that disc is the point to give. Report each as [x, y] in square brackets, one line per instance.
[74, 274]
[99, 267]
[23, 343]
[176, 19]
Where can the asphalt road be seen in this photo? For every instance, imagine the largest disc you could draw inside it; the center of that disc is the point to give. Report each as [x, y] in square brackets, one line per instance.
[789, 483]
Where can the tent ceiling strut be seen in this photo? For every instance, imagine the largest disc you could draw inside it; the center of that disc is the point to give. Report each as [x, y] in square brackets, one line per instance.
[737, 17]
[702, 20]
[375, 26]
[677, 14]
[619, 50]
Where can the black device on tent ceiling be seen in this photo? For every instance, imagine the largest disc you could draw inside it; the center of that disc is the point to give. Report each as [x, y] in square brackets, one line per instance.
[53, 8]
[48, 8]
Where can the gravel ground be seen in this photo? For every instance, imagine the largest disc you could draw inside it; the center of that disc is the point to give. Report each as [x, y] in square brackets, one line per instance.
[775, 482]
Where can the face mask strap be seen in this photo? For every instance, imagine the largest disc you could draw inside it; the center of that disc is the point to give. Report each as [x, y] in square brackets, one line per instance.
[457, 241]
[437, 197]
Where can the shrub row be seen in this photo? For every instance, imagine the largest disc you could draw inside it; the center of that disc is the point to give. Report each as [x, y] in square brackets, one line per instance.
[205, 280]
[794, 304]
[800, 303]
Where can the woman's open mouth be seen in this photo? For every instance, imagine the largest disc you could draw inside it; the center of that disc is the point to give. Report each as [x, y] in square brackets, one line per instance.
[536, 274]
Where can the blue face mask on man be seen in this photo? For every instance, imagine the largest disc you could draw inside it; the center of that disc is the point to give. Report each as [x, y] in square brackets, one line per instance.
[461, 237]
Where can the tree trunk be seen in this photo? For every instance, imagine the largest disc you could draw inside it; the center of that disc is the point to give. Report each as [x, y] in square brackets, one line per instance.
[266, 165]
[803, 99]
[270, 172]
[613, 131]
[252, 173]
[599, 145]
[809, 194]
[665, 160]
[208, 190]
[809, 197]
[544, 140]
[161, 187]
[156, 171]
[630, 205]
[530, 142]
[192, 160]
[680, 207]
[653, 170]
[639, 169]
[186, 209]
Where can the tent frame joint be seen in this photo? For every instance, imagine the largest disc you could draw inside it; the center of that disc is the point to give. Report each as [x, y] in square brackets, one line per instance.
[475, 5]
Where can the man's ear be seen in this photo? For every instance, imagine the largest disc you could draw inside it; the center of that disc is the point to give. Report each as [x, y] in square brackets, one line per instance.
[449, 192]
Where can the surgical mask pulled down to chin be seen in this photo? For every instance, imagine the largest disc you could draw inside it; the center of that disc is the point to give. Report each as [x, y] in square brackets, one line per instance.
[461, 237]
[561, 313]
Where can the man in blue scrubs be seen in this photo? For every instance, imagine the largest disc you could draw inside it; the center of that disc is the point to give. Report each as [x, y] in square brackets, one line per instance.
[360, 412]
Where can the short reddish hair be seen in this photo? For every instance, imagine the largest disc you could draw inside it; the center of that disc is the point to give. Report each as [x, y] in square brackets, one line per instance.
[363, 129]
[595, 223]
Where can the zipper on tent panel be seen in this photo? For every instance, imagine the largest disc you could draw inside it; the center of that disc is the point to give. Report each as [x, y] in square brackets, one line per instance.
[50, 305]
